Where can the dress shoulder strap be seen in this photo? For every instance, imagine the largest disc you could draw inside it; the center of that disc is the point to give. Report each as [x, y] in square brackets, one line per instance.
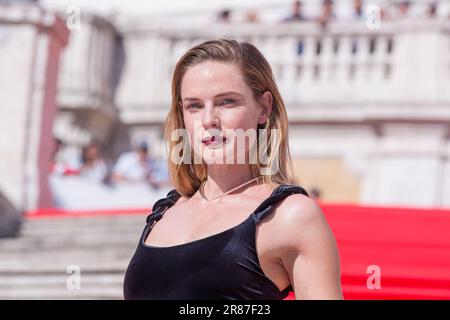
[161, 206]
[279, 193]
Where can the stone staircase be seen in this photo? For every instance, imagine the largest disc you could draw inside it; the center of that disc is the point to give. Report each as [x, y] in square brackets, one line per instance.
[69, 258]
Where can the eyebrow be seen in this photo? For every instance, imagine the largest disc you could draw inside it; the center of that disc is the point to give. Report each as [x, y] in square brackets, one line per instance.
[216, 96]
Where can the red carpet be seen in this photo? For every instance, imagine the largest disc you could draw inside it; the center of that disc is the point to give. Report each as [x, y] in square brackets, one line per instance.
[411, 248]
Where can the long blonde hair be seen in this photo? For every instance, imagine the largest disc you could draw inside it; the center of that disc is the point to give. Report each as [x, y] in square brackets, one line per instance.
[257, 74]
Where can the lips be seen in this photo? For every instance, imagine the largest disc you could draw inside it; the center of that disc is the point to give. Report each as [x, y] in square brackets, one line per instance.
[214, 140]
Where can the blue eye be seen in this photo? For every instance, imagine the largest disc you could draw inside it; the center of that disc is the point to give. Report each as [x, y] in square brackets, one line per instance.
[227, 101]
[193, 106]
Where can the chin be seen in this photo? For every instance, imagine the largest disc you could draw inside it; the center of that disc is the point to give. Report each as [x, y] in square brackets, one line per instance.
[212, 158]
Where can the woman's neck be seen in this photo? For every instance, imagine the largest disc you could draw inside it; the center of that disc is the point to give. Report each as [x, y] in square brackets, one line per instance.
[222, 178]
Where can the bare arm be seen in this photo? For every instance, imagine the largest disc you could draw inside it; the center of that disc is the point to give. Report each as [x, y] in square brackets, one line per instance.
[308, 250]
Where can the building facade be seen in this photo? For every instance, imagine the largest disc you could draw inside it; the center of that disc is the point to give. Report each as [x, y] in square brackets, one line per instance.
[368, 109]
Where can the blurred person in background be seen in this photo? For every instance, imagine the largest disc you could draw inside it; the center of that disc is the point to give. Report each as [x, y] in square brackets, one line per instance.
[252, 16]
[296, 16]
[327, 13]
[137, 166]
[93, 167]
[64, 159]
[358, 13]
[403, 9]
[296, 13]
[431, 12]
[224, 16]
[384, 14]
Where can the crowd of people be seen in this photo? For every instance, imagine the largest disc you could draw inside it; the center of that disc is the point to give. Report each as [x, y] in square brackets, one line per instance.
[394, 10]
[136, 166]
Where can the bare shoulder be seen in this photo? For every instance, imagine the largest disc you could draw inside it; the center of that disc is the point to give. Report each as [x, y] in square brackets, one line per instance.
[307, 249]
[299, 208]
[299, 219]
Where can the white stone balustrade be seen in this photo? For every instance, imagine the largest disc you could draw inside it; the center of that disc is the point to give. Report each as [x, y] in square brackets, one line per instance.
[389, 72]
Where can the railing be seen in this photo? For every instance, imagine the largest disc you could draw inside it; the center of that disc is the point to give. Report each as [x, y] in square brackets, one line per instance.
[404, 63]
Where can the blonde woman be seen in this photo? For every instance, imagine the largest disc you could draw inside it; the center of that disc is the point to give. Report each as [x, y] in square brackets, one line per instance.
[239, 228]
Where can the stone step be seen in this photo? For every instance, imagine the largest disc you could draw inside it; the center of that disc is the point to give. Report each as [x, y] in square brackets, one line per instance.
[81, 222]
[104, 267]
[33, 226]
[51, 285]
[61, 231]
[43, 293]
[34, 265]
[119, 240]
[60, 261]
[48, 279]
[76, 233]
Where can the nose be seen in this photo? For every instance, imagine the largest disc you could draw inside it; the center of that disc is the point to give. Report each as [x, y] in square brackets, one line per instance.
[209, 117]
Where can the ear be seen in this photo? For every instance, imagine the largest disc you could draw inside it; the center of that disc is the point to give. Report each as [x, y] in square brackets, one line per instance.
[266, 102]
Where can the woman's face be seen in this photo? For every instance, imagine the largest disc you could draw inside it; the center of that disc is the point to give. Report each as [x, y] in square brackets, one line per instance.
[216, 102]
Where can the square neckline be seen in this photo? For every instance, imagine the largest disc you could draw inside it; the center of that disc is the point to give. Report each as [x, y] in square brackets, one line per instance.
[147, 233]
[252, 215]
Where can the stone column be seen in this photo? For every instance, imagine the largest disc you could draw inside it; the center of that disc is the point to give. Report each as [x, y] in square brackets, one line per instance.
[31, 40]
